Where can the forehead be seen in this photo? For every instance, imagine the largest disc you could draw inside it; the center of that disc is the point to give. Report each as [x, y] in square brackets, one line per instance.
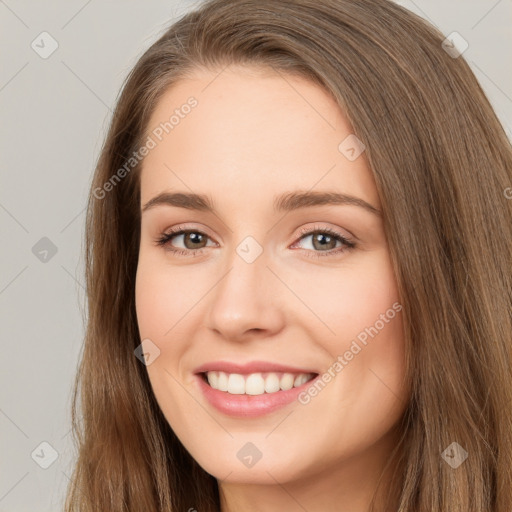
[250, 132]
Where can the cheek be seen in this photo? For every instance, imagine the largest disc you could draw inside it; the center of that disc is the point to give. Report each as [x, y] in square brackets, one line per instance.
[366, 331]
[364, 388]
[351, 298]
[152, 297]
[161, 302]
[162, 297]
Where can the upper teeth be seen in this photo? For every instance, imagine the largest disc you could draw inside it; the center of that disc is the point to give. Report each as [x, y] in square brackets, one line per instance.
[255, 383]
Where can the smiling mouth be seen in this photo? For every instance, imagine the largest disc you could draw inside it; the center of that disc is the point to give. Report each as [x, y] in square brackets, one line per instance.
[255, 383]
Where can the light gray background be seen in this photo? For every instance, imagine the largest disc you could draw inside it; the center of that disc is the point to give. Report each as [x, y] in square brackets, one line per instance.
[55, 112]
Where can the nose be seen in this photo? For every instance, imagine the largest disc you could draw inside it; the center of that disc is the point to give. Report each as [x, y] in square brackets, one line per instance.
[246, 302]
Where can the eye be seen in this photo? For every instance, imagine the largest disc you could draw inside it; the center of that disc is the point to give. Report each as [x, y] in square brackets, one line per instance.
[325, 242]
[192, 239]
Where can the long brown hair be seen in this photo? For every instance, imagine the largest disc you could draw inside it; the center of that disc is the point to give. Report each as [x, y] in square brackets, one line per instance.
[442, 165]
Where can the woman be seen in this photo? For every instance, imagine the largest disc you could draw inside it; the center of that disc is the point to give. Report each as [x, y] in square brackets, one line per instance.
[299, 244]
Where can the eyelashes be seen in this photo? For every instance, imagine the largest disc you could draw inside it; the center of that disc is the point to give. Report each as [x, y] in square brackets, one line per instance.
[321, 235]
[165, 241]
[329, 234]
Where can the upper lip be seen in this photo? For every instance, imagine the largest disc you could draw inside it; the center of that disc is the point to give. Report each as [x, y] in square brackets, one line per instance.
[250, 367]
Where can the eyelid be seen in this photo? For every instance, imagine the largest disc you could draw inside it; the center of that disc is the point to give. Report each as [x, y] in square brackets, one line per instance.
[308, 230]
[175, 230]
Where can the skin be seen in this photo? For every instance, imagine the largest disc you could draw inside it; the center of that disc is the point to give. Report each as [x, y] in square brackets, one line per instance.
[255, 134]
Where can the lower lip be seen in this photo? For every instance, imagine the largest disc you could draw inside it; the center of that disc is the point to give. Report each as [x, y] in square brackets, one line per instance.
[249, 406]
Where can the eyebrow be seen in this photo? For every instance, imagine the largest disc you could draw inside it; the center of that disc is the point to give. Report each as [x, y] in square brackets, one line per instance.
[286, 202]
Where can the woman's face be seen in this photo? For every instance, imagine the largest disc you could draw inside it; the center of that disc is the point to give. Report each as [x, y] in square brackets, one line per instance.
[284, 274]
